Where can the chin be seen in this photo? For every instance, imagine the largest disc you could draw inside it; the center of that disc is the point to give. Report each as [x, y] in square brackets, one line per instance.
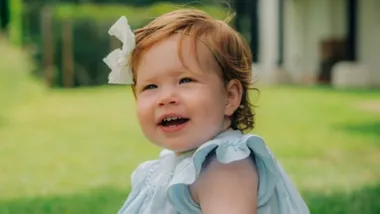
[176, 147]
[179, 148]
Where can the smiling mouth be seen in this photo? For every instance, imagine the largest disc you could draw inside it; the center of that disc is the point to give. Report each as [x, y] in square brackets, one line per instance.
[173, 121]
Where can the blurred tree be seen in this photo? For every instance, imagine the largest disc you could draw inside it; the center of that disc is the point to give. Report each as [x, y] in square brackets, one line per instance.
[254, 28]
[128, 2]
[74, 39]
[15, 22]
[247, 23]
[89, 20]
[240, 12]
[4, 14]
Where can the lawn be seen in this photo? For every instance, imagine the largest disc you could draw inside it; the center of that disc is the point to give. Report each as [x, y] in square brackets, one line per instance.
[72, 151]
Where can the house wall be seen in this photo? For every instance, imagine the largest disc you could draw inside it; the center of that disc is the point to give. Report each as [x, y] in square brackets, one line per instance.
[369, 38]
[268, 13]
[295, 27]
[307, 23]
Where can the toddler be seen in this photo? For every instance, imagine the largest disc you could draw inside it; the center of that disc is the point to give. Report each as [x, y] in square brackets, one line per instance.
[190, 75]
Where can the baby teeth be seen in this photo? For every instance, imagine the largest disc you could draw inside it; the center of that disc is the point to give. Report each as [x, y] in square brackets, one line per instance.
[171, 118]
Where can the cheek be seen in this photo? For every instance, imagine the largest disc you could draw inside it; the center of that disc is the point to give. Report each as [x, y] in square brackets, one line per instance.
[212, 104]
[144, 110]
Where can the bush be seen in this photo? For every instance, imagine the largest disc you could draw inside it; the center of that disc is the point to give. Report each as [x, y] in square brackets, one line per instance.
[91, 42]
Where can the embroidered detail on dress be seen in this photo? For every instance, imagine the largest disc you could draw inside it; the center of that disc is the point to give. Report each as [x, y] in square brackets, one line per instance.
[236, 145]
[149, 184]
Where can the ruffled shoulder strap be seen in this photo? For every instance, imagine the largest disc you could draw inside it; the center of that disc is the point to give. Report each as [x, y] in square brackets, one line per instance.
[229, 147]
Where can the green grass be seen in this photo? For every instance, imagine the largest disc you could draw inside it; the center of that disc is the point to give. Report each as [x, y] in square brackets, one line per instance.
[72, 151]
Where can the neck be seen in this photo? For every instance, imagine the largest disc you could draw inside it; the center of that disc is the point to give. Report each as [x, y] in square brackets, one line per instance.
[226, 126]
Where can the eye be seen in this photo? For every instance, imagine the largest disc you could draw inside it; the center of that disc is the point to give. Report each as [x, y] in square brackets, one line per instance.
[149, 87]
[185, 80]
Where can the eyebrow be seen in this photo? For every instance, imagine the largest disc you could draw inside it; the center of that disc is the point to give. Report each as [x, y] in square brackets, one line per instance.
[173, 72]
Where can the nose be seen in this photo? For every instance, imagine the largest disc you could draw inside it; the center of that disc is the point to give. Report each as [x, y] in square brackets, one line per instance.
[167, 96]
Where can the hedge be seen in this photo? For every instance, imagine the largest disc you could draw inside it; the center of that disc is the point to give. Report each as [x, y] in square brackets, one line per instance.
[90, 39]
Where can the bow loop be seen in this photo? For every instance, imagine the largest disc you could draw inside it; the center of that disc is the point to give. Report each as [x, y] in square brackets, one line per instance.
[117, 60]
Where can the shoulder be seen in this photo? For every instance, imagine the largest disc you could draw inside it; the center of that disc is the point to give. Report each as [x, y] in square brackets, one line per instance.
[237, 172]
[237, 180]
[230, 161]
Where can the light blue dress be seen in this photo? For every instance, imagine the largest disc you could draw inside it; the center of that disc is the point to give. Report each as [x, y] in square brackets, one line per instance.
[161, 186]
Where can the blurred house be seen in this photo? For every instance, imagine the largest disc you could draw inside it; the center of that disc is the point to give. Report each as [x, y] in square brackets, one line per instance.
[329, 41]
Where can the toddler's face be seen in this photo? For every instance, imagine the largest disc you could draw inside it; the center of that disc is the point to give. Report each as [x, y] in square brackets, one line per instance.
[178, 108]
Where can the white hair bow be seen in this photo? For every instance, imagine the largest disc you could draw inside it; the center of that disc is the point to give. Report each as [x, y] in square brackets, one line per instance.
[117, 60]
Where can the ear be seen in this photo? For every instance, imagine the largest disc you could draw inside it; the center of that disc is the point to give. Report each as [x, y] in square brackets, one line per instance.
[234, 95]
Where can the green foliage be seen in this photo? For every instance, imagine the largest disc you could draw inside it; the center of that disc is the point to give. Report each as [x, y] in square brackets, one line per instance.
[91, 42]
[129, 2]
[137, 16]
[15, 26]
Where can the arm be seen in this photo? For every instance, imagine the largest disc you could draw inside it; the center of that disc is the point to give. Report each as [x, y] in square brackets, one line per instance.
[227, 188]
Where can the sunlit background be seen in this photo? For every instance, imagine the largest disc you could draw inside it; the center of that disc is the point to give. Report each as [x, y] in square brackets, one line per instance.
[69, 141]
